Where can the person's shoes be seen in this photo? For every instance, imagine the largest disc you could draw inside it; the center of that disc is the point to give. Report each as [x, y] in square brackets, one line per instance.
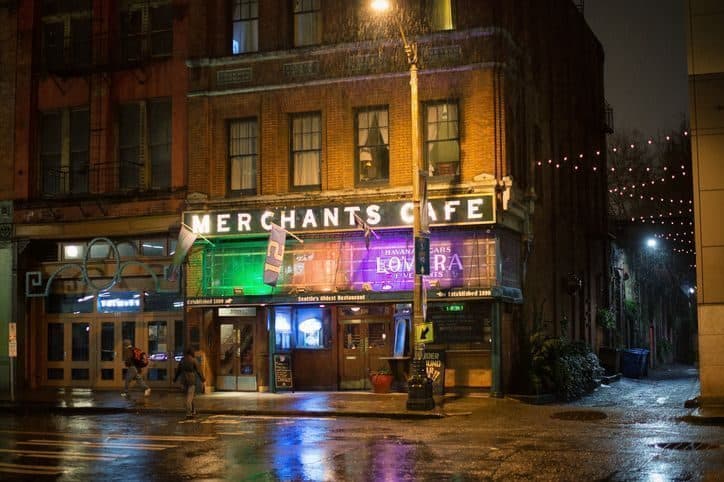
[124, 394]
[147, 392]
[189, 417]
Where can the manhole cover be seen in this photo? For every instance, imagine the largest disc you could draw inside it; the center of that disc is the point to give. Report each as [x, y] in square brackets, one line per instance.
[579, 415]
[687, 446]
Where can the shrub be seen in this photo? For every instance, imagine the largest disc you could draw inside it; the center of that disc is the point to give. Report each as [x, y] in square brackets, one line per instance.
[567, 369]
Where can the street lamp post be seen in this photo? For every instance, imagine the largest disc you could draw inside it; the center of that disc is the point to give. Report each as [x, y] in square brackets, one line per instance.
[419, 385]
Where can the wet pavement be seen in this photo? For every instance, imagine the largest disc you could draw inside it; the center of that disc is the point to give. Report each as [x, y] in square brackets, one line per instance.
[663, 393]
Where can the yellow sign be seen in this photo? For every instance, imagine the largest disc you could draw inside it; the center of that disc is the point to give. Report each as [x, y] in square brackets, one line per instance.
[423, 333]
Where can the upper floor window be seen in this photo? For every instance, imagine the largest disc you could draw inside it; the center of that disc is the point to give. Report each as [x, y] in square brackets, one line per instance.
[243, 151]
[146, 29]
[440, 13]
[144, 138]
[307, 22]
[442, 138]
[66, 34]
[373, 145]
[306, 150]
[245, 26]
[64, 140]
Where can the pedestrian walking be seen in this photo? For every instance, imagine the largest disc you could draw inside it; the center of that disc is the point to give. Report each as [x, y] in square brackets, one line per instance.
[188, 370]
[135, 360]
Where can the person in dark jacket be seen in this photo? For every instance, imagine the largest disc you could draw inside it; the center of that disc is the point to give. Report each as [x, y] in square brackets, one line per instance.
[188, 370]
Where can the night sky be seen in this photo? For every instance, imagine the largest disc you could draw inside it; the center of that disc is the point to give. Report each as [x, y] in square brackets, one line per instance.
[646, 76]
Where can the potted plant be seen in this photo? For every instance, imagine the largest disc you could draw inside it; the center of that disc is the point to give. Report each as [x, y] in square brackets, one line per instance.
[381, 380]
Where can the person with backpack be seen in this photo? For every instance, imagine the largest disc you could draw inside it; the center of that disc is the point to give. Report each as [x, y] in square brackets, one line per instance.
[188, 370]
[135, 361]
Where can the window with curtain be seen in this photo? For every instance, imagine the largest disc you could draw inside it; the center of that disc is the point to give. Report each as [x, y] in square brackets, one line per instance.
[64, 165]
[306, 150]
[144, 139]
[442, 138]
[307, 22]
[373, 145]
[440, 14]
[243, 149]
[245, 26]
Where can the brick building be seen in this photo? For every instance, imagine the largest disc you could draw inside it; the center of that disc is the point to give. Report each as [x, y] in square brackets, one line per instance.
[298, 113]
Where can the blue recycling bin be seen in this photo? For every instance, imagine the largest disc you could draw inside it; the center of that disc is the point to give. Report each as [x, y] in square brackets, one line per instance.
[634, 362]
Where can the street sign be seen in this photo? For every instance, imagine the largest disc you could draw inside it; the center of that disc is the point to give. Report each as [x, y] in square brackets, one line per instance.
[422, 255]
[423, 333]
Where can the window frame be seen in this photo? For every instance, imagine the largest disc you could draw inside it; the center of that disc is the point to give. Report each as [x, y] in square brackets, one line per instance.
[428, 143]
[242, 191]
[358, 148]
[293, 152]
[71, 52]
[147, 168]
[301, 10]
[70, 159]
[146, 33]
[251, 20]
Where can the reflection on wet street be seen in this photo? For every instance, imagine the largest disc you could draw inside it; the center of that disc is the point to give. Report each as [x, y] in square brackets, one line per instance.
[504, 441]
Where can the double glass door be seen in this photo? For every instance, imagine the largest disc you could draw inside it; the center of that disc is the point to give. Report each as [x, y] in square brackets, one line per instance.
[87, 350]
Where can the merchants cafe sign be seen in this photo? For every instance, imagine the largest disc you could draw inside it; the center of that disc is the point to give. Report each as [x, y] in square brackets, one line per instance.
[448, 211]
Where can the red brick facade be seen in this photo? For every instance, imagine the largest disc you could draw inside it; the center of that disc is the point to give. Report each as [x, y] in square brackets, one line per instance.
[527, 77]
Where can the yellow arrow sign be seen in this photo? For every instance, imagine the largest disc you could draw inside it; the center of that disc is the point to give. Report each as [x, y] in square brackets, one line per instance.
[423, 333]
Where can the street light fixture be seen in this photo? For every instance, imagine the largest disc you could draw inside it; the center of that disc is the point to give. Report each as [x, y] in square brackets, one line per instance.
[651, 243]
[419, 385]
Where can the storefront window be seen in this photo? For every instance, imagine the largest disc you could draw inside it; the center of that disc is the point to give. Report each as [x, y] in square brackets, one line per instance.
[311, 330]
[306, 328]
[283, 329]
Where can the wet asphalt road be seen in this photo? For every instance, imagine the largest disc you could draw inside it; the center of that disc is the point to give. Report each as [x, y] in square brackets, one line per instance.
[631, 430]
[532, 446]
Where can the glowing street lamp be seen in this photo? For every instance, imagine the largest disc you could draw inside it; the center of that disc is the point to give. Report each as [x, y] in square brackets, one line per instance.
[651, 243]
[419, 385]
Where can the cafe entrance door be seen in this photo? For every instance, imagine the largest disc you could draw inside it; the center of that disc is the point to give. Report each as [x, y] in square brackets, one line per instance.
[236, 355]
[364, 345]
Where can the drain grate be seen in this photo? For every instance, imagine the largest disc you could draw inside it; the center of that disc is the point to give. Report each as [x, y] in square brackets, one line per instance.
[579, 415]
[686, 446]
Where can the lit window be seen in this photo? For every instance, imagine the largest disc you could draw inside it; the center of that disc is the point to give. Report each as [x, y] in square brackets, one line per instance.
[283, 328]
[311, 329]
[306, 150]
[153, 247]
[243, 149]
[373, 145]
[442, 139]
[245, 26]
[73, 251]
[307, 22]
[441, 14]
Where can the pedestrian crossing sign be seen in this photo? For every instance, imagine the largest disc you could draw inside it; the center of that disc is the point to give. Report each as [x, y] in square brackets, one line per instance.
[423, 333]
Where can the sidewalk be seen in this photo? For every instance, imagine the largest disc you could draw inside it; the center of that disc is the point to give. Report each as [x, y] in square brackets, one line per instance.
[666, 388]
